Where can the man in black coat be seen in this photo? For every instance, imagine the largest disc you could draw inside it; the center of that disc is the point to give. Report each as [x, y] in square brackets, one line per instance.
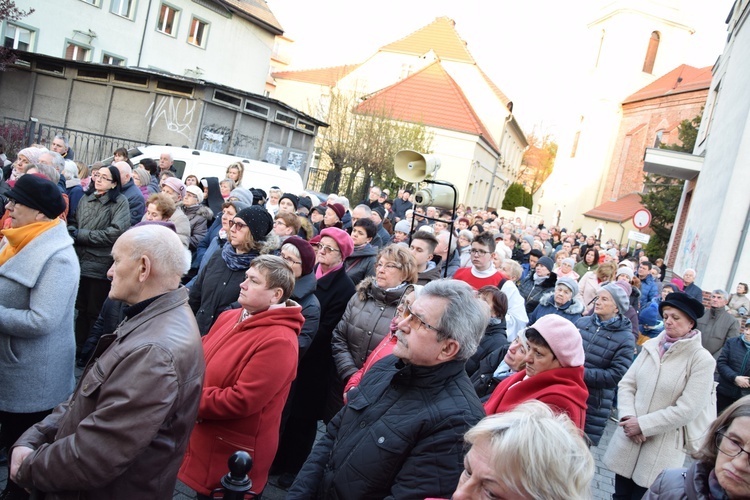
[400, 435]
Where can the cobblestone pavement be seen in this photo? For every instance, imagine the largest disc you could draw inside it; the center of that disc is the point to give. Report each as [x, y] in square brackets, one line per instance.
[603, 485]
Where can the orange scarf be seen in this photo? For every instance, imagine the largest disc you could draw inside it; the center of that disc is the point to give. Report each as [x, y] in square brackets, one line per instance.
[17, 238]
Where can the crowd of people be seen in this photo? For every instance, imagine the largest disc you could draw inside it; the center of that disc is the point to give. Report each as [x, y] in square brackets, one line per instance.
[449, 354]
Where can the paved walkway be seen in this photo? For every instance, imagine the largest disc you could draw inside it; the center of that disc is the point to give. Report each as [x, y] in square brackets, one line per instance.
[603, 485]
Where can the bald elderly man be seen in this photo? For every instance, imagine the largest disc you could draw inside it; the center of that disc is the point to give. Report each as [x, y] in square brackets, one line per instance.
[123, 432]
[136, 201]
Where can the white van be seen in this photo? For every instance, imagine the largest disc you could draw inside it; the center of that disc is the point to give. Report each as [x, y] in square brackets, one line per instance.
[257, 174]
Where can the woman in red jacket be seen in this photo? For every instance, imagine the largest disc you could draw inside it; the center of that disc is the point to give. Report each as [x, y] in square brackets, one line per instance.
[251, 361]
[553, 374]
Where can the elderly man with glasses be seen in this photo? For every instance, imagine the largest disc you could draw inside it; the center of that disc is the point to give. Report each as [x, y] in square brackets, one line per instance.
[399, 436]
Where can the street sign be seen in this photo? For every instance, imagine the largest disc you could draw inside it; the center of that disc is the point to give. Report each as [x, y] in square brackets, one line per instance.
[642, 218]
[639, 237]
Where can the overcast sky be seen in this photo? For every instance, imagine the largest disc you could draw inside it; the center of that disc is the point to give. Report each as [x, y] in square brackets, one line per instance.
[525, 46]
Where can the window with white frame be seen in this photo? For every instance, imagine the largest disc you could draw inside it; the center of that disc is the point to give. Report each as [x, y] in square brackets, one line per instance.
[17, 38]
[198, 32]
[112, 60]
[76, 52]
[122, 8]
[91, 2]
[167, 20]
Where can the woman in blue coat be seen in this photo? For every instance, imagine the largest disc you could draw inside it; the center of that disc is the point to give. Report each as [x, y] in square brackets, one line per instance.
[609, 347]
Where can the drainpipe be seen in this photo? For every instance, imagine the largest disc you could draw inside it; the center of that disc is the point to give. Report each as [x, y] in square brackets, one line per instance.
[738, 253]
[143, 37]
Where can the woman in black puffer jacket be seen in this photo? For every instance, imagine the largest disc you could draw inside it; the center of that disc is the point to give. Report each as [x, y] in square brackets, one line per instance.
[733, 371]
[609, 346]
[494, 337]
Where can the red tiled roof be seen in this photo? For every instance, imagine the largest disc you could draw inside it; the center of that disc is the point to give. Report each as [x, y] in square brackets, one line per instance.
[683, 78]
[431, 97]
[258, 10]
[617, 211]
[323, 76]
[439, 36]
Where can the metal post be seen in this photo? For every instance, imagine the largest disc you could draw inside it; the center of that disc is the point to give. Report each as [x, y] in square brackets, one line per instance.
[236, 484]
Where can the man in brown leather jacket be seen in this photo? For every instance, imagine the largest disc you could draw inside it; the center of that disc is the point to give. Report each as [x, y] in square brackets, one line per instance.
[123, 432]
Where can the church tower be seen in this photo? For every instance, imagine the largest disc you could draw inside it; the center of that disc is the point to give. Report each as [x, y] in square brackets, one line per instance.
[629, 43]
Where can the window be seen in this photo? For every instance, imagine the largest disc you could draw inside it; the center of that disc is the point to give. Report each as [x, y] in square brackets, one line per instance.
[653, 47]
[17, 38]
[657, 140]
[122, 8]
[167, 20]
[198, 33]
[75, 52]
[95, 3]
[113, 60]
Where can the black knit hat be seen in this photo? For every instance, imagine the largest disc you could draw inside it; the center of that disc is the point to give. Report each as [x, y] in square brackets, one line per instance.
[38, 192]
[291, 197]
[258, 220]
[685, 303]
[380, 211]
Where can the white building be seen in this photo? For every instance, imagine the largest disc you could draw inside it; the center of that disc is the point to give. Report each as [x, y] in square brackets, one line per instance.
[712, 224]
[630, 43]
[430, 77]
[230, 42]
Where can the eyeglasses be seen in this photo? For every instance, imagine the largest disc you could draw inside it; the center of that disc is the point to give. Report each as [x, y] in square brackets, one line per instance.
[105, 178]
[476, 251]
[239, 225]
[413, 318]
[327, 249]
[11, 203]
[291, 260]
[730, 447]
[279, 223]
[388, 265]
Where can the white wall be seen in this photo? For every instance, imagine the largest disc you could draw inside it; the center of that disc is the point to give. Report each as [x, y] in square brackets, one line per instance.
[237, 53]
[720, 203]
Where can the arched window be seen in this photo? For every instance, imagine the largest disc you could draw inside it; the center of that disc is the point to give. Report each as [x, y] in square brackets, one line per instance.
[653, 47]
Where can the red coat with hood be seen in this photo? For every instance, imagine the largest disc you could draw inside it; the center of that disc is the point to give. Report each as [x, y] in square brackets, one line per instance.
[562, 389]
[250, 367]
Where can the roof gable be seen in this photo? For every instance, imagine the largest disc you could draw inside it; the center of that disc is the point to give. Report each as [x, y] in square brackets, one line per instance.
[617, 211]
[431, 97]
[322, 76]
[439, 36]
[682, 79]
[256, 11]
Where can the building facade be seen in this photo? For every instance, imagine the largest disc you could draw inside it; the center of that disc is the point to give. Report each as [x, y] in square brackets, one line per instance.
[189, 38]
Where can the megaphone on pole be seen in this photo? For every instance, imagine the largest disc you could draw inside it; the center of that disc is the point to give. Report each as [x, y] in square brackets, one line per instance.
[411, 166]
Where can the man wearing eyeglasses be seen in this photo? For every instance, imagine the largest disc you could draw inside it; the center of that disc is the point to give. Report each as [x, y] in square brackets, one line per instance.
[400, 434]
[482, 273]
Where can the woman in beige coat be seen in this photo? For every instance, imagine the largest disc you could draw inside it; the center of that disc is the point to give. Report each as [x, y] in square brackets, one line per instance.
[667, 386]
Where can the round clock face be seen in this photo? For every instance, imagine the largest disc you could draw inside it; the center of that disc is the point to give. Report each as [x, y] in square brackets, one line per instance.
[642, 218]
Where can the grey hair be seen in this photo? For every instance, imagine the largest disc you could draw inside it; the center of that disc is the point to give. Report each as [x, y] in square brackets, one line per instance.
[721, 292]
[454, 241]
[366, 208]
[58, 162]
[465, 317]
[70, 171]
[277, 272]
[50, 172]
[163, 246]
[466, 234]
[288, 247]
[168, 155]
[143, 175]
[62, 138]
[343, 200]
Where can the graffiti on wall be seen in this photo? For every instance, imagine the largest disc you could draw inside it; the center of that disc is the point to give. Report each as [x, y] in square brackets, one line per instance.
[692, 254]
[176, 113]
[214, 138]
[245, 145]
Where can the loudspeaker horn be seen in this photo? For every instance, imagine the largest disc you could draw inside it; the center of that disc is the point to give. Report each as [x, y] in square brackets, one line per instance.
[436, 195]
[415, 167]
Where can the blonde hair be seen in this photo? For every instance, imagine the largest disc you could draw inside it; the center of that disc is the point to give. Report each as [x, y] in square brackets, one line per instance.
[240, 167]
[536, 453]
[401, 255]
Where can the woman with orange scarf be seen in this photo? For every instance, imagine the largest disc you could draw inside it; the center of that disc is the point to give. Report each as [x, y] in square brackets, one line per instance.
[38, 280]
